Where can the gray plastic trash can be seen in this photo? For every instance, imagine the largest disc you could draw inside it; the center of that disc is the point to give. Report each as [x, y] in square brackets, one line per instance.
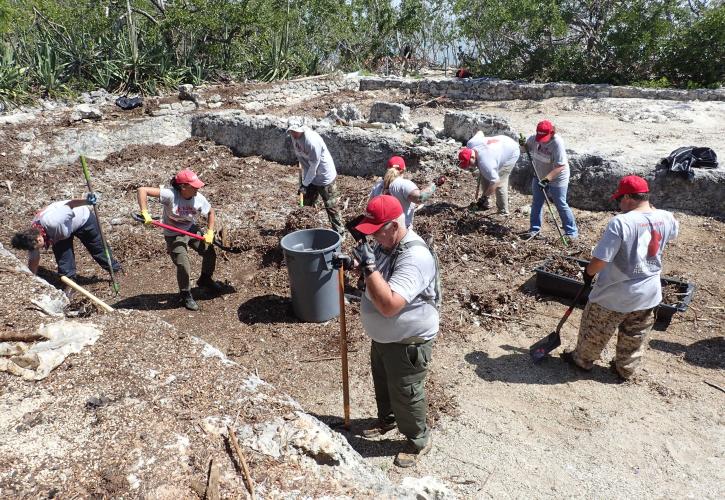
[312, 279]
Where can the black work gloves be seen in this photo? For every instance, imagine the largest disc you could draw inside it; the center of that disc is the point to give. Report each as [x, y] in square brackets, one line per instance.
[363, 253]
[588, 278]
[543, 183]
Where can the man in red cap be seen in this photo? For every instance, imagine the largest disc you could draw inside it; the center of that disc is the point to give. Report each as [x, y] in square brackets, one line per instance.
[628, 261]
[551, 169]
[494, 158]
[404, 190]
[399, 312]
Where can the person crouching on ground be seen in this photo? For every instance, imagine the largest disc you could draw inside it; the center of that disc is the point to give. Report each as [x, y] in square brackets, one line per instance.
[399, 314]
[318, 173]
[495, 158]
[56, 226]
[182, 203]
[628, 261]
[404, 190]
[551, 167]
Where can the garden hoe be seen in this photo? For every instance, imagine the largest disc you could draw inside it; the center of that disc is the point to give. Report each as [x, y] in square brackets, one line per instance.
[218, 238]
[544, 346]
[546, 197]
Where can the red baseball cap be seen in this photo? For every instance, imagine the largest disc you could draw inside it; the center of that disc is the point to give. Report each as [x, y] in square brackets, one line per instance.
[397, 162]
[630, 184]
[544, 131]
[464, 157]
[380, 210]
[187, 176]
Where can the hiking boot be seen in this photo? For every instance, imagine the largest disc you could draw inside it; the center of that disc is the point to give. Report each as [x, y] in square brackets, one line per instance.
[530, 235]
[209, 284]
[409, 455]
[379, 429]
[483, 204]
[568, 356]
[186, 299]
[571, 237]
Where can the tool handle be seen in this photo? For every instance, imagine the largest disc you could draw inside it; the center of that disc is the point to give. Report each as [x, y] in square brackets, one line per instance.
[177, 230]
[106, 248]
[343, 348]
[571, 307]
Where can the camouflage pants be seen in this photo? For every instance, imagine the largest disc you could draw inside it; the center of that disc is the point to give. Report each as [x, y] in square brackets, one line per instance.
[597, 327]
[330, 196]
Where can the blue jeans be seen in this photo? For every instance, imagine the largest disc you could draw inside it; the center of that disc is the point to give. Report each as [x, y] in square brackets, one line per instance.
[557, 195]
[91, 239]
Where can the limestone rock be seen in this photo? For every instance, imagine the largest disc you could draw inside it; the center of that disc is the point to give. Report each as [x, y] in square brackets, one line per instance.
[85, 112]
[389, 112]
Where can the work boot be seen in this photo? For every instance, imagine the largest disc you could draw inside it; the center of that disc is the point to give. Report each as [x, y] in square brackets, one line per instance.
[188, 301]
[379, 429]
[208, 283]
[530, 235]
[409, 455]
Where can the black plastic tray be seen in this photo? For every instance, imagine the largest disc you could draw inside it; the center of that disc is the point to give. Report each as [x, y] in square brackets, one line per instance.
[561, 286]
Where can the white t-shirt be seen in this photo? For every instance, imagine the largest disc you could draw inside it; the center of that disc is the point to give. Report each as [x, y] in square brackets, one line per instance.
[318, 168]
[180, 212]
[632, 244]
[478, 139]
[401, 189]
[60, 221]
[547, 155]
[413, 278]
[495, 153]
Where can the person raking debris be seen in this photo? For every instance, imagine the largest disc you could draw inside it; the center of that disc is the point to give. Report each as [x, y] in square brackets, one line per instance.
[627, 261]
[399, 314]
[182, 203]
[495, 158]
[551, 167]
[55, 227]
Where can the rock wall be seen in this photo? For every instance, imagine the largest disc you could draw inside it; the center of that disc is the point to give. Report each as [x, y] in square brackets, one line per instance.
[293, 91]
[503, 90]
[462, 125]
[356, 151]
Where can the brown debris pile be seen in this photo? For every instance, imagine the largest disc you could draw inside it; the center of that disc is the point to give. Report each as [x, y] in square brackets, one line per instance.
[303, 218]
[562, 266]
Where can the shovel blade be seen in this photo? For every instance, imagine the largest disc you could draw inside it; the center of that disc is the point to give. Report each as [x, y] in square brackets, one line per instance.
[540, 349]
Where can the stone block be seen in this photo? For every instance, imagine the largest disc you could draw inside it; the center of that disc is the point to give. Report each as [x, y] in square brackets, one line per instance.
[462, 125]
[389, 112]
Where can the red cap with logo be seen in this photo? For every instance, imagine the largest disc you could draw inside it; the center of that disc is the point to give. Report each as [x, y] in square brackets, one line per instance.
[187, 176]
[464, 157]
[544, 131]
[380, 210]
[630, 184]
[397, 162]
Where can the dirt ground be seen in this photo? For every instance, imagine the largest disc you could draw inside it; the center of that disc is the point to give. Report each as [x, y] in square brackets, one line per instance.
[502, 426]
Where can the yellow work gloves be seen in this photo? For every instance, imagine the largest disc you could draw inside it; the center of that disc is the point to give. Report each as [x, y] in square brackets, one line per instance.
[146, 217]
[209, 236]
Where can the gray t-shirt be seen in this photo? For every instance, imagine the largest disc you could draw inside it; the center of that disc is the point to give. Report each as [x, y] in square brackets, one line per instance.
[401, 189]
[632, 244]
[318, 168]
[60, 221]
[413, 278]
[180, 212]
[495, 153]
[547, 155]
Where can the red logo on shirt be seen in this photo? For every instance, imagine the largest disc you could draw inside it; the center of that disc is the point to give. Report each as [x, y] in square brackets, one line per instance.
[654, 243]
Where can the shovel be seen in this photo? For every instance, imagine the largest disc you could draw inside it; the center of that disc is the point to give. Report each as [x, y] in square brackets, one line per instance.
[139, 218]
[544, 346]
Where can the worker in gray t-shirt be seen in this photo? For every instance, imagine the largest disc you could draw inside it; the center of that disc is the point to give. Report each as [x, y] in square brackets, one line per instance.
[494, 158]
[551, 167]
[56, 227]
[627, 261]
[399, 314]
[318, 173]
[404, 190]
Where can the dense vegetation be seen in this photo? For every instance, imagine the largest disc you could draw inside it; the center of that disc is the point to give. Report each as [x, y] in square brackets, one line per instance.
[53, 47]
